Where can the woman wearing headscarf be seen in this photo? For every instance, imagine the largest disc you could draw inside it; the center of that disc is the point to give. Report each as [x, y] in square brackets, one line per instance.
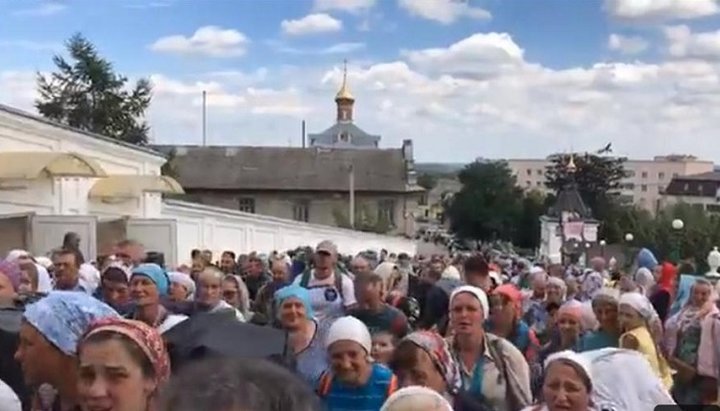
[114, 287]
[182, 287]
[644, 280]
[148, 284]
[353, 382]
[416, 398]
[661, 296]
[682, 294]
[568, 330]
[134, 350]
[505, 321]
[45, 283]
[305, 336]
[235, 293]
[683, 333]
[607, 333]
[567, 385]
[10, 278]
[423, 358]
[49, 335]
[492, 369]
[636, 315]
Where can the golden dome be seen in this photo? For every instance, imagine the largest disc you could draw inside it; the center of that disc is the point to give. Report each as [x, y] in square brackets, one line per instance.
[344, 92]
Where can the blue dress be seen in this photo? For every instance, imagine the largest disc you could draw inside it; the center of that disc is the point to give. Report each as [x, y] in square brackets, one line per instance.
[369, 397]
[596, 340]
[313, 360]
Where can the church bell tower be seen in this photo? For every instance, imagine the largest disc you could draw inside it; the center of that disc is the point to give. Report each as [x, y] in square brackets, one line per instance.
[344, 100]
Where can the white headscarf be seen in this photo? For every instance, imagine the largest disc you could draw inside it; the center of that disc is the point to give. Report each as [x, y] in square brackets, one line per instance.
[349, 329]
[623, 381]
[9, 401]
[416, 398]
[575, 358]
[475, 291]
[184, 280]
[639, 303]
[644, 279]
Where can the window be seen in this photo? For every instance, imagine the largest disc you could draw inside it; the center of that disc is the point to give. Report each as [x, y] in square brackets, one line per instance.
[661, 189]
[713, 208]
[246, 205]
[627, 186]
[661, 175]
[629, 173]
[301, 211]
[539, 172]
[423, 199]
[538, 183]
[528, 183]
[644, 174]
[386, 211]
[643, 187]
[529, 172]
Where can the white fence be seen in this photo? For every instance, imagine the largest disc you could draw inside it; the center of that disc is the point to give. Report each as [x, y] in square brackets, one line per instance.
[218, 229]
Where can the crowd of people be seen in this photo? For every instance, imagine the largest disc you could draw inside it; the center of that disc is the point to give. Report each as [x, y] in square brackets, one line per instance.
[374, 331]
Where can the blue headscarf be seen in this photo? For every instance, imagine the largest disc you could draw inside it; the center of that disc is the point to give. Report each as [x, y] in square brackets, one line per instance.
[683, 293]
[156, 274]
[295, 291]
[62, 317]
[646, 259]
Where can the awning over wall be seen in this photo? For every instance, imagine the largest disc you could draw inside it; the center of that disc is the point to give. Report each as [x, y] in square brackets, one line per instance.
[31, 165]
[122, 187]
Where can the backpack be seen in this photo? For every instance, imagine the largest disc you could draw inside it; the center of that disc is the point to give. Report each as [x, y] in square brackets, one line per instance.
[307, 274]
[326, 380]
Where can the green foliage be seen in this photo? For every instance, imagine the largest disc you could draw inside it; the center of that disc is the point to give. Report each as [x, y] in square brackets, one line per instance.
[489, 204]
[86, 93]
[427, 181]
[597, 179]
[170, 167]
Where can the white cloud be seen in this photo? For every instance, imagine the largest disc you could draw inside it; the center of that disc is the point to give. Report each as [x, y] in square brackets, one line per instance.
[43, 10]
[477, 96]
[351, 6]
[643, 10]
[339, 48]
[627, 44]
[210, 41]
[443, 11]
[311, 24]
[682, 43]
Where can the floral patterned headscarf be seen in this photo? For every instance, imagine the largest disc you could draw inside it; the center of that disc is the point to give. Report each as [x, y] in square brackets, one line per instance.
[439, 351]
[144, 336]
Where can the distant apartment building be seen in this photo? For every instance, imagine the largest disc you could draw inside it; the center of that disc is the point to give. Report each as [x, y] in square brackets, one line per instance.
[644, 186]
[700, 190]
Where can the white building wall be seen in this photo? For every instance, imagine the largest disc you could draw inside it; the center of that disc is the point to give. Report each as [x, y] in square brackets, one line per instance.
[218, 229]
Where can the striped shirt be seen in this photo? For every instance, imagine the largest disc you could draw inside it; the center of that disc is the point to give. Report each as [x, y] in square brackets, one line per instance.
[369, 397]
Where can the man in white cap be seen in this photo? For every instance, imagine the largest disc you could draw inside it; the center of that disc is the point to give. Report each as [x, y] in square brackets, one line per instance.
[331, 291]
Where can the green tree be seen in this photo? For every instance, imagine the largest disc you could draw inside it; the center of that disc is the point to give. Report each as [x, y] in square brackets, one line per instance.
[534, 204]
[86, 93]
[597, 179]
[170, 167]
[427, 181]
[489, 203]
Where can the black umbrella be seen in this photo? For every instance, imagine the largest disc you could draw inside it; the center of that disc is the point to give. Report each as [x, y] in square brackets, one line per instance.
[222, 335]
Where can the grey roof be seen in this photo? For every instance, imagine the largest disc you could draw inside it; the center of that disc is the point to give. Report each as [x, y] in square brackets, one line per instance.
[709, 176]
[358, 137]
[695, 185]
[569, 200]
[35, 117]
[288, 168]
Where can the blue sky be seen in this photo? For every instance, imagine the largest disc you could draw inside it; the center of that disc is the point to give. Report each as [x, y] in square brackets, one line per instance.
[463, 79]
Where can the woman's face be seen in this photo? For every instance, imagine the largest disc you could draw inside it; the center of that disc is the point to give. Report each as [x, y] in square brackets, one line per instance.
[279, 272]
[629, 318]
[564, 389]
[700, 294]
[466, 314]
[292, 313]
[606, 314]
[502, 310]
[143, 291]
[230, 292]
[553, 293]
[6, 288]
[209, 289]
[178, 292]
[569, 326]
[37, 356]
[27, 285]
[111, 380]
[382, 347]
[349, 362]
[424, 374]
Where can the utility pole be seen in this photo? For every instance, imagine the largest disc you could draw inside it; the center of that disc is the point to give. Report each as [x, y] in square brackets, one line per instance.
[303, 134]
[351, 183]
[204, 118]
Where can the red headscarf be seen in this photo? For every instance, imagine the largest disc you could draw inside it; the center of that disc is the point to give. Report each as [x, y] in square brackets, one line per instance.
[144, 336]
[511, 292]
[668, 276]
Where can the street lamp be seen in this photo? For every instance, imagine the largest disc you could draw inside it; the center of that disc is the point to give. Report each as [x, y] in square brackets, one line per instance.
[677, 225]
[603, 243]
[629, 237]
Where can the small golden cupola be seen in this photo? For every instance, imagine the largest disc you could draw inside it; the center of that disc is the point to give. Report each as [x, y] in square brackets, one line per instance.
[344, 99]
